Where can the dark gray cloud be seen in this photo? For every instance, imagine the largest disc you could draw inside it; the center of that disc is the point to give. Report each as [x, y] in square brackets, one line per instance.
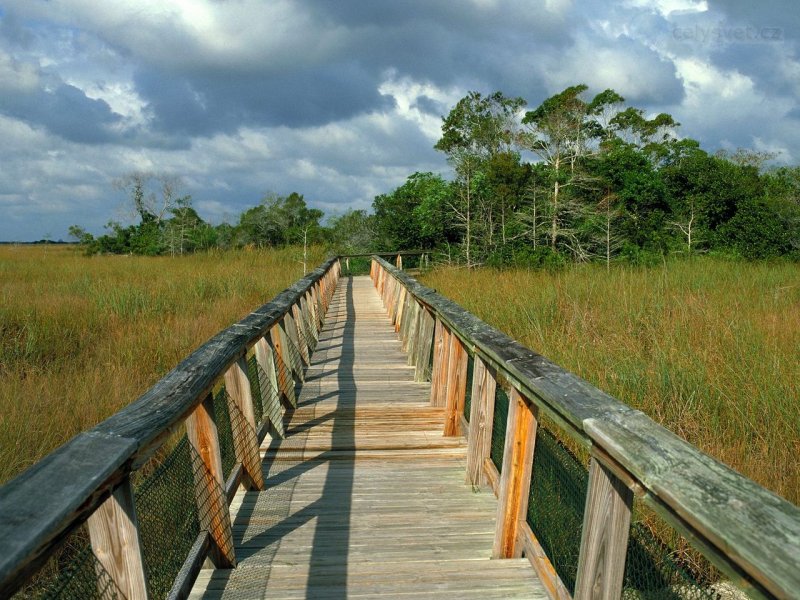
[65, 111]
[341, 100]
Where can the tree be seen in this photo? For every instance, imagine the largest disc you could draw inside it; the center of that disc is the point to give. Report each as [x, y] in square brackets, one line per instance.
[560, 132]
[414, 215]
[476, 129]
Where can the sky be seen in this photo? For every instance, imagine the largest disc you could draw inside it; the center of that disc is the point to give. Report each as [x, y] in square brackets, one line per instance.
[341, 100]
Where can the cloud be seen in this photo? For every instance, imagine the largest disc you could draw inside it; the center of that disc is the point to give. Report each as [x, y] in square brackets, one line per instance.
[342, 100]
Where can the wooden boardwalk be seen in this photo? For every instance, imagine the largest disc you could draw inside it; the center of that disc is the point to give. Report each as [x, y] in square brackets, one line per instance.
[365, 497]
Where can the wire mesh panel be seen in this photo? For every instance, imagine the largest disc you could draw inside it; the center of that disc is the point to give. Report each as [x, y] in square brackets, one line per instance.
[271, 400]
[255, 388]
[468, 393]
[556, 505]
[661, 565]
[72, 573]
[499, 428]
[224, 432]
[168, 518]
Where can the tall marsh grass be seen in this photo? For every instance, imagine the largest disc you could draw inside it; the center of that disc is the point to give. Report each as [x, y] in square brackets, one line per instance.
[709, 348]
[81, 337]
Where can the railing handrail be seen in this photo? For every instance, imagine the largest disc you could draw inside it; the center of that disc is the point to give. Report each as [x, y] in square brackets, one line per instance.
[746, 530]
[42, 505]
[395, 253]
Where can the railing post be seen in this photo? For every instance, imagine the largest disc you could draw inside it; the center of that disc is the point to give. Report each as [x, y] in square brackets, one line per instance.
[441, 343]
[399, 261]
[246, 442]
[604, 541]
[114, 536]
[209, 481]
[412, 334]
[481, 421]
[286, 326]
[285, 380]
[271, 397]
[456, 386]
[515, 477]
[293, 338]
[302, 342]
[312, 313]
[424, 344]
[401, 309]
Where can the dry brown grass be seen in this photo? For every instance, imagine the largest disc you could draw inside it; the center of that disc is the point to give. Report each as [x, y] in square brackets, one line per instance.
[709, 348]
[81, 337]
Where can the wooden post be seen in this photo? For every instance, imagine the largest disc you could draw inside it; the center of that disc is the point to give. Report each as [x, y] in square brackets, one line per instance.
[481, 421]
[347, 264]
[114, 535]
[413, 334]
[604, 541]
[456, 386]
[273, 411]
[295, 323]
[311, 308]
[308, 321]
[515, 477]
[209, 482]
[245, 441]
[401, 309]
[424, 343]
[399, 261]
[293, 359]
[285, 381]
[441, 364]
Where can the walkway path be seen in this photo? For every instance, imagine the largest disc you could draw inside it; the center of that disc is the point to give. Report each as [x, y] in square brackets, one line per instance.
[365, 498]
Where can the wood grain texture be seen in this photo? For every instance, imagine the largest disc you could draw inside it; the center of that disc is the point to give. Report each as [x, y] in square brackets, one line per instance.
[300, 334]
[212, 505]
[438, 367]
[457, 360]
[481, 418]
[545, 570]
[114, 536]
[271, 393]
[365, 498]
[604, 539]
[424, 346]
[515, 479]
[284, 369]
[245, 439]
[751, 534]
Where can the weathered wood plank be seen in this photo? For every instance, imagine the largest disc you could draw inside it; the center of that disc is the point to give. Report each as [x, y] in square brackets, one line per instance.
[212, 505]
[271, 393]
[515, 479]
[114, 536]
[456, 386]
[424, 346]
[481, 419]
[719, 510]
[604, 539]
[243, 421]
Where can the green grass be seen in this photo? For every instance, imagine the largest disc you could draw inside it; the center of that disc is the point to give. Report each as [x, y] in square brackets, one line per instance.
[81, 337]
[707, 347]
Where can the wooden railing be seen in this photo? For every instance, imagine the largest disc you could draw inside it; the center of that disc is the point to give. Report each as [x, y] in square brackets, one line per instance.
[749, 533]
[88, 479]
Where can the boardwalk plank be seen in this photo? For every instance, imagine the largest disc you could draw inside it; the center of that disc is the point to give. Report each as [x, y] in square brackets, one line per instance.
[365, 498]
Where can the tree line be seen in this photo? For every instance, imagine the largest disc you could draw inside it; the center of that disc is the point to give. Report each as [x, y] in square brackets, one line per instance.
[575, 179]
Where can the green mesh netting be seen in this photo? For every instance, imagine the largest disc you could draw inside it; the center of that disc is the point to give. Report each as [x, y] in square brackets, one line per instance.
[72, 573]
[499, 428]
[468, 394]
[556, 504]
[222, 418]
[255, 388]
[660, 565]
[168, 517]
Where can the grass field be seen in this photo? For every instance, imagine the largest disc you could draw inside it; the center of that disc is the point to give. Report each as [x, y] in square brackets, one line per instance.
[709, 348]
[81, 337]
